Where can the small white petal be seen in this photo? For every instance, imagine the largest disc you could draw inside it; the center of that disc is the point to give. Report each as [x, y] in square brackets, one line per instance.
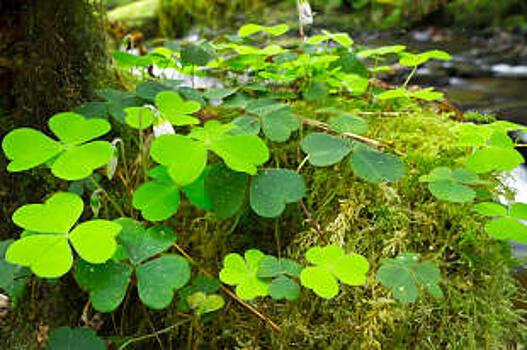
[163, 128]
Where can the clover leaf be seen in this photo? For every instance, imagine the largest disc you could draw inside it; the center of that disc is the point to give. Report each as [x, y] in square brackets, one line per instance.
[323, 149]
[118, 101]
[139, 117]
[201, 284]
[141, 243]
[281, 287]
[172, 107]
[284, 288]
[451, 185]
[345, 122]
[205, 303]
[226, 190]
[401, 274]
[107, 283]
[219, 93]
[74, 158]
[272, 189]
[65, 338]
[157, 200]
[341, 38]
[507, 223]
[375, 167]
[494, 158]
[11, 276]
[48, 253]
[279, 125]
[157, 280]
[250, 29]
[333, 263]
[243, 274]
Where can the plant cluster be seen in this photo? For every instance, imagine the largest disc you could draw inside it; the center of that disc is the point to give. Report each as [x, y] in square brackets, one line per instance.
[216, 150]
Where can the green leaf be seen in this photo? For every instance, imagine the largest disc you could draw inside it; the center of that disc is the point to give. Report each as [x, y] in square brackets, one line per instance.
[284, 288]
[246, 125]
[317, 91]
[263, 107]
[401, 274]
[341, 38]
[95, 240]
[452, 191]
[242, 273]
[65, 338]
[507, 228]
[27, 148]
[272, 267]
[46, 255]
[157, 200]
[107, 283]
[518, 211]
[201, 284]
[323, 149]
[490, 209]
[381, 51]
[205, 303]
[494, 158]
[57, 215]
[376, 167]
[11, 276]
[139, 117]
[279, 125]
[93, 110]
[74, 129]
[185, 158]
[197, 194]
[333, 263]
[242, 152]
[148, 90]
[177, 111]
[272, 189]
[347, 122]
[197, 55]
[79, 162]
[250, 29]
[157, 280]
[127, 60]
[219, 94]
[226, 189]
[141, 243]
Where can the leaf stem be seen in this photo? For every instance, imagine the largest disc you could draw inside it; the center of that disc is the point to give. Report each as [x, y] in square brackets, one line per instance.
[155, 334]
[107, 195]
[410, 76]
[313, 222]
[229, 292]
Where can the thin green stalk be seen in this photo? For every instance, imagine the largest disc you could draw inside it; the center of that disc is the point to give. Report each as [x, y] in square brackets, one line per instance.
[410, 76]
[116, 206]
[152, 335]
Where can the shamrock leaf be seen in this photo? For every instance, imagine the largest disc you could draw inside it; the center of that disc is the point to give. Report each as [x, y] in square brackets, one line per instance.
[185, 158]
[341, 38]
[172, 107]
[139, 117]
[75, 159]
[157, 200]
[65, 338]
[48, 253]
[148, 90]
[219, 94]
[158, 279]
[205, 303]
[141, 243]
[271, 190]
[284, 288]
[323, 149]
[11, 276]
[316, 91]
[281, 287]
[201, 284]
[250, 29]
[246, 125]
[226, 190]
[118, 101]
[197, 193]
[332, 264]
[241, 152]
[401, 274]
[494, 158]
[449, 185]
[279, 125]
[507, 223]
[197, 55]
[345, 122]
[375, 167]
[106, 283]
[242, 273]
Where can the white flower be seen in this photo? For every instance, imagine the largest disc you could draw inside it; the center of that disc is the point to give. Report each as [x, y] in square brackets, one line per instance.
[304, 12]
[163, 128]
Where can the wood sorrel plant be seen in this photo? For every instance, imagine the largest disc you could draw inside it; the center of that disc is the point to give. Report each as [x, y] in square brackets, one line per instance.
[223, 164]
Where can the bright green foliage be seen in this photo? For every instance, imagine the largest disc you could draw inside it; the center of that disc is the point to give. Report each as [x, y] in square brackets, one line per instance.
[243, 274]
[139, 117]
[333, 263]
[173, 108]
[149, 89]
[127, 60]
[226, 190]
[141, 243]
[107, 283]
[375, 167]
[196, 192]
[507, 224]
[345, 122]
[316, 91]
[76, 159]
[381, 51]
[341, 38]
[200, 284]
[425, 94]
[158, 279]
[452, 185]
[323, 149]
[246, 125]
[48, 253]
[197, 55]
[272, 189]
[250, 29]
[117, 101]
[413, 60]
[65, 338]
[205, 303]
[219, 94]
[401, 274]
[185, 158]
[494, 158]
[11, 276]
[282, 287]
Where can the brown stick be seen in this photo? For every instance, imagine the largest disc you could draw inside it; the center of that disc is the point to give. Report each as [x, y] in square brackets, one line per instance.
[313, 222]
[230, 292]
